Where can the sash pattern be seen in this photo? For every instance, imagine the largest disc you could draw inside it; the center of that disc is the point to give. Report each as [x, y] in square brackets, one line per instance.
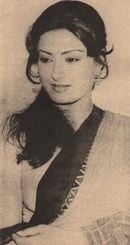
[74, 189]
[60, 183]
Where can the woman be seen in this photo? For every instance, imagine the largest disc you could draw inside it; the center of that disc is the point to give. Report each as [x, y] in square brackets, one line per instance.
[74, 156]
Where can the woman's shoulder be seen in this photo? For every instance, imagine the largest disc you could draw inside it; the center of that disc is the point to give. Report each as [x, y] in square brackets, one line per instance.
[8, 160]
[117, 117]
[114, 131]
[10, 185]
[117, 121]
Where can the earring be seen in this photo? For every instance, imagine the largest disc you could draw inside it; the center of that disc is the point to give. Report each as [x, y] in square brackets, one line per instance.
[97, 80]
[35, 79]
[34, 74]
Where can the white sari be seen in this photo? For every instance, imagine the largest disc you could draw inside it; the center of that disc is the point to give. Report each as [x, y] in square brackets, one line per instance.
[101, 208]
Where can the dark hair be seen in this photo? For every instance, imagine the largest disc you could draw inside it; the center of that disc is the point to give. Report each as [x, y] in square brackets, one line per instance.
[79, 18]
[41, 127]
[37, 130]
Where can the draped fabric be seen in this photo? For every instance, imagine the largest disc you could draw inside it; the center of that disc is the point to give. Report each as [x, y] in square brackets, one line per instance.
[60, 177]
[104, 192]
[105, 189]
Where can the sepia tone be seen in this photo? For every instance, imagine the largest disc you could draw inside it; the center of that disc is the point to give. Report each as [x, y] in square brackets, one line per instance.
[16, 17]
[16, 92]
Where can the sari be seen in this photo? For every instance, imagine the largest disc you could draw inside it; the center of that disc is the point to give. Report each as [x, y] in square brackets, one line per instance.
[94, 210]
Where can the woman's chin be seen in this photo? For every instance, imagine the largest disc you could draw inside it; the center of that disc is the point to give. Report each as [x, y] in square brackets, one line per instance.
[64, 101]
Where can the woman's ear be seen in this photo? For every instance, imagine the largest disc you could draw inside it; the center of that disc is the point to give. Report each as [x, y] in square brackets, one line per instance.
[34, 74]
[98, 69]
[101, 67]
[97, 74]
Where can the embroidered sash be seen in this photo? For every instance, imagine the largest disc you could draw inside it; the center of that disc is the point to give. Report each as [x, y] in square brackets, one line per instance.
[59, 178]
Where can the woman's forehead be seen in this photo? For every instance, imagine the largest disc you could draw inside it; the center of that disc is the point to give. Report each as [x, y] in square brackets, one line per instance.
[60, 40]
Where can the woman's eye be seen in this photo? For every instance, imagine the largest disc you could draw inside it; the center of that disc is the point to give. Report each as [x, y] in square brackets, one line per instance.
[71, 60]
[45, 60]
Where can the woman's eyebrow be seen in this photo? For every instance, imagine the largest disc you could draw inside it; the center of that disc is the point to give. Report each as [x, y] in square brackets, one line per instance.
[44, 52]
[73, 50]
[64, 52]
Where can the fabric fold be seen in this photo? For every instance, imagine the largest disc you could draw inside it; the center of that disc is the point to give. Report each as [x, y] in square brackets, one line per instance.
[60, 177]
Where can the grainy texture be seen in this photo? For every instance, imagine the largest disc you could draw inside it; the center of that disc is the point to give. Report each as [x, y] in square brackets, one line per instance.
[16, 17]
[16, 92]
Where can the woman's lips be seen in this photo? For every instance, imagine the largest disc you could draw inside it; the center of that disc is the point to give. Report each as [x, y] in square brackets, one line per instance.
[60, 87]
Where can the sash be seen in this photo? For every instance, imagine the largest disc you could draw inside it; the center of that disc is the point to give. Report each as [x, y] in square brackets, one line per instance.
[56, 183]
[59, 178]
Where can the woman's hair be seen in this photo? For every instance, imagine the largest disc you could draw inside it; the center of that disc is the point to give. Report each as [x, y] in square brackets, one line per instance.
[77, 17]
[41, 127]
[37, 130]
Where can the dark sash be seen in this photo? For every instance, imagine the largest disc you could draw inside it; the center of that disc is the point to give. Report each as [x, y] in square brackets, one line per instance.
[57, 181]
[59, 178]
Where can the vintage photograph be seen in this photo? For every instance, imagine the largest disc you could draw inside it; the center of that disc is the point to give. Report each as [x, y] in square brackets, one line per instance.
[65, 122]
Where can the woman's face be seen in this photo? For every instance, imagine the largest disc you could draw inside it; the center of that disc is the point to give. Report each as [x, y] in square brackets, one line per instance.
[66, 72]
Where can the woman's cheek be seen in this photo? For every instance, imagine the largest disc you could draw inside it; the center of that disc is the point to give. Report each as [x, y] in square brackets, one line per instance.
[45, 76]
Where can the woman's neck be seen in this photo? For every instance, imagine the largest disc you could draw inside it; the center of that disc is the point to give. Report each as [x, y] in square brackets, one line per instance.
[77, 112]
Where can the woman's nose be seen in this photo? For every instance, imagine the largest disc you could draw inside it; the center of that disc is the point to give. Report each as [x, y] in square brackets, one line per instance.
[57, 71]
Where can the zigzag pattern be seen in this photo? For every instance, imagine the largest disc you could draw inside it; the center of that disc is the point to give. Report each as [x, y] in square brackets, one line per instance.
[74, 189]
